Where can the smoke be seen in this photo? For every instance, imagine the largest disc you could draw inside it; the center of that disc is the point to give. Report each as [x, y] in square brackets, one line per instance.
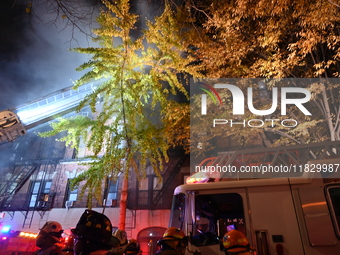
[34, 50]
[147, 10]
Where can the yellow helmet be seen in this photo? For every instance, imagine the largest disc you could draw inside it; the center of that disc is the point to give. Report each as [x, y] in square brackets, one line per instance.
[173, 233]
[235, 241]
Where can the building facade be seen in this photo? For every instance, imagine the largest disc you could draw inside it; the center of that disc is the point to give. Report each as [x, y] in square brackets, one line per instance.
[36, 173]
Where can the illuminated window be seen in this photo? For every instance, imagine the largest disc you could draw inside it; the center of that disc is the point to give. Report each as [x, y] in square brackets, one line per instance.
[39, 190]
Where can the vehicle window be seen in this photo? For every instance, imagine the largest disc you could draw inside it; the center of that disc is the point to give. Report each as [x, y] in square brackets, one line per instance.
[333, 194]
[177, 211]
[216, 214]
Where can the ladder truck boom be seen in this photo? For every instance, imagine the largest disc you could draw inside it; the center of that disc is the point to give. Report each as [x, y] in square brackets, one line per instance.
[17, 121]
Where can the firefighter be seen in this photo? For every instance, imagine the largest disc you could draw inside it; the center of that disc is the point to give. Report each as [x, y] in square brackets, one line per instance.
[119, 242]
[49, 239]
[92, 235]
[173, 242]
[133, 248]
[121, 236]
[235, 242]
[68, 245]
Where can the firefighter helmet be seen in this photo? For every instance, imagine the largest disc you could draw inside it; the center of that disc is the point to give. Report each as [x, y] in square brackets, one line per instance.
[235, 241]
[121, 236]
[49, 234]
[94, 226]
[53, 227]
[173, 233]
[174, 237]
[133, 247]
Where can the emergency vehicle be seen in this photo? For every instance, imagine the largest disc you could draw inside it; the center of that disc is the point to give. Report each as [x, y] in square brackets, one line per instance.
[24, 243]
[279, 216]
[16, 242]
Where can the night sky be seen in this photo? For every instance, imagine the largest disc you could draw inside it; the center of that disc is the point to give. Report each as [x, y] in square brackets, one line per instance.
[34, 52]
[34, 48]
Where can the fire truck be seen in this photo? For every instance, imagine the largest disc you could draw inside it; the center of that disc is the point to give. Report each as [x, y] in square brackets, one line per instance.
[16, 242]
[283, 215]
[24, 243]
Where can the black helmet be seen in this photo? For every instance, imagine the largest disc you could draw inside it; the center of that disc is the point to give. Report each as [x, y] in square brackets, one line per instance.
[94, 226]
[133, 248]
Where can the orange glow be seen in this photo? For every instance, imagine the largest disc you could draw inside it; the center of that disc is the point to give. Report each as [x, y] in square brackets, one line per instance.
[29, 235]
[314, 204]
[202, 177]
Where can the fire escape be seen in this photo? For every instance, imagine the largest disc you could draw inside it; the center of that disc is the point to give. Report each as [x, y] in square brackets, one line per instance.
[173, 169]
[158, 195]
[31, 159]
[34, 159]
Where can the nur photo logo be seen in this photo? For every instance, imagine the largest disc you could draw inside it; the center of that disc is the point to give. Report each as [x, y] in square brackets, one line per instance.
[213, 94]
[244, 101]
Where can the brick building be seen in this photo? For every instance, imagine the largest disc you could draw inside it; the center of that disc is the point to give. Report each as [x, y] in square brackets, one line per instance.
[36, 173]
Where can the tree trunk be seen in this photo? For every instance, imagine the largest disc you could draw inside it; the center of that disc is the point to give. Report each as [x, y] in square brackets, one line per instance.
[122, 204]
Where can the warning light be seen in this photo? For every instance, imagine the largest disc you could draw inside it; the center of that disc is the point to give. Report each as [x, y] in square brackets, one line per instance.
[202, 177]
[26, 234]
[5, 229]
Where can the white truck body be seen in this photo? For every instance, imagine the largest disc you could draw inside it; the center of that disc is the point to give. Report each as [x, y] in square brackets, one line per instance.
[300, 216]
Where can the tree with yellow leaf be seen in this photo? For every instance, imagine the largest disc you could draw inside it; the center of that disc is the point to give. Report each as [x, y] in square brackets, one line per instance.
[136, 119]
[278, 39]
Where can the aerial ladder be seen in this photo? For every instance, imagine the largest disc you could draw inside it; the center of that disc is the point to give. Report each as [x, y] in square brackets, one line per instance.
[15, 122]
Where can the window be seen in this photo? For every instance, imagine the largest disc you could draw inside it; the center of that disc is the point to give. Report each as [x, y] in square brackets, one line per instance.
[47, 187]
[39, 192]
[144, 184]
[111, 194]
[216, 214]
[71, 195]
[148, 190]
[157, 184]
[333, 195]
[150, 181]
[212, 215]
[177, 211]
